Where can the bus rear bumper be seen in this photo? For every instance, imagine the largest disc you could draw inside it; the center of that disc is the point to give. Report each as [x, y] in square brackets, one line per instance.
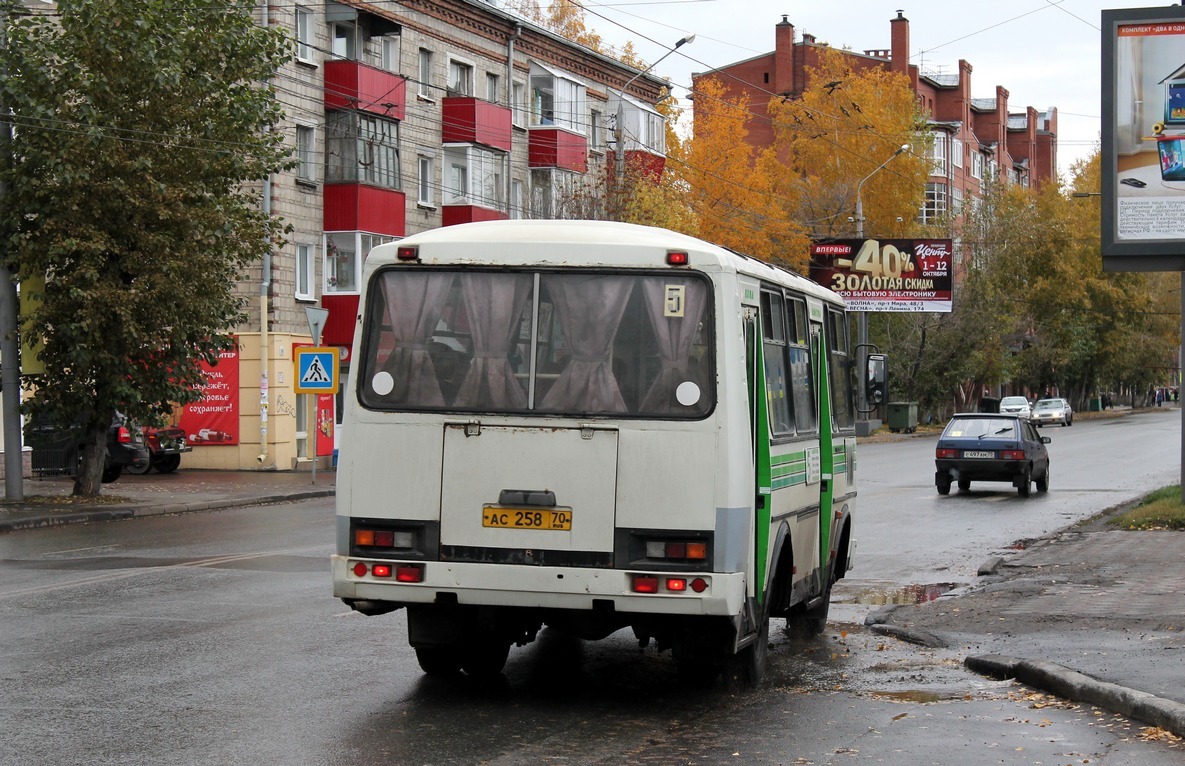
[723, 594]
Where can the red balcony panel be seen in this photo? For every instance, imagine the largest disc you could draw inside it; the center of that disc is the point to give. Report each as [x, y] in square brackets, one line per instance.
[343, 316]
[352, 85]
[639, 164]
[556, 148]
[469, 120]
[356, 207]
[451, 215]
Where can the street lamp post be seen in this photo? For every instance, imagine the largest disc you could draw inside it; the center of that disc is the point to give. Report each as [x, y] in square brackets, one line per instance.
[619, 128]
[863, 426]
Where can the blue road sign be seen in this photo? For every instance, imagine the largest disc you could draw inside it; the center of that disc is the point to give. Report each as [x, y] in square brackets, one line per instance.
[316, 370]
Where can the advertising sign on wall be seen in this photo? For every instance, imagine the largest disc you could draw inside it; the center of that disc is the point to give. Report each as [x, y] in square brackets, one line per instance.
[905, 275]
[1143, 151]
[213, 420]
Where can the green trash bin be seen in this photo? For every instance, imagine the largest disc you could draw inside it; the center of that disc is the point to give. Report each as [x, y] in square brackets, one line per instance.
[903, 416]
[1096, 404]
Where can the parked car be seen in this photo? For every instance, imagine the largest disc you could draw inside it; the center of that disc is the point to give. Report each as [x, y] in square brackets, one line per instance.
[1050, 411]
[991, 447]
[165, 448]
[1016, 405]
[56, 452]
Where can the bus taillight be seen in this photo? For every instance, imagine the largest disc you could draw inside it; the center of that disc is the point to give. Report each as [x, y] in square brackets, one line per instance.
[645, 584]
[409, 573]
[676, 258]
[407, 253]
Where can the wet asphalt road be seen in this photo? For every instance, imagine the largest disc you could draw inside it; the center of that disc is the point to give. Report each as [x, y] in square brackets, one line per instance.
[212, 638]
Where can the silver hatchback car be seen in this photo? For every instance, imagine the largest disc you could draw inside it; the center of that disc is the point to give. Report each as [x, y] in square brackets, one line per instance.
[1016, 405]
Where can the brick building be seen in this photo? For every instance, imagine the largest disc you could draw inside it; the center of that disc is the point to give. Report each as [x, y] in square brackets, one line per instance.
[976, 139]
[404, 116]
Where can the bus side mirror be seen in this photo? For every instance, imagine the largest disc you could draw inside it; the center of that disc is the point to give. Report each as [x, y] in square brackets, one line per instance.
[877, 374]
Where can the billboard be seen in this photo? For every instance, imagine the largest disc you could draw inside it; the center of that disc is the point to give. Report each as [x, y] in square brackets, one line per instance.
[213, 421]
[908, 275]
[1143, 139]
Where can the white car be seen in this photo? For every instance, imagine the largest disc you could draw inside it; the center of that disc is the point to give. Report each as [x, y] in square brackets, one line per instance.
[1016, 405]
[1053, 411]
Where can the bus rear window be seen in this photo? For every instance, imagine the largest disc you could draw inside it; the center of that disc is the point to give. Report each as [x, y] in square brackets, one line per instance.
[564, 343]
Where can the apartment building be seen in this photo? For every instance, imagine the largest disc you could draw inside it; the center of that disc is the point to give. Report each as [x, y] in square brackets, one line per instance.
[404, 116]
[976, 139]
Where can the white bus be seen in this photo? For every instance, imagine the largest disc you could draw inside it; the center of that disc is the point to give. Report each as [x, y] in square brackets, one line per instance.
[593, 426]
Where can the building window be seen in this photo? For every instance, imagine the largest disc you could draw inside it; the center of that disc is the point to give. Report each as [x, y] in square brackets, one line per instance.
[343, 43]
[425, 88]
[938, 155]
[956, 152]
[557, 100]
[362, 148]
[595, 136]
[555, 193]
[642, 127]
[389, 53]
[492, 88]
[976, 165]
[518, 103]
[476, 176]
[655, 135]
[304, 35]
[517, 209]
[426, 181]
[306, 168]
[344, 253]
[935, 208]
[460, 78]
[304, 272]
[956, 201]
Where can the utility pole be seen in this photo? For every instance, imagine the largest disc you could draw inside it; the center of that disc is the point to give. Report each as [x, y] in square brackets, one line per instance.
[10, 359]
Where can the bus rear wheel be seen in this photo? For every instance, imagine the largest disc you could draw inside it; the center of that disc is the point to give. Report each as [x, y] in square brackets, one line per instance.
[439, 661]
[484, 659]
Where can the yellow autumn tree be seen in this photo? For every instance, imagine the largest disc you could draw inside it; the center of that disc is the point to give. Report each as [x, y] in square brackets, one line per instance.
[733, 201]
[844, 126]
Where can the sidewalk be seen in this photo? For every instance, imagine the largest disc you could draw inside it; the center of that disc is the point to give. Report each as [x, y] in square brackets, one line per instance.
[1090, 614]
[48, 502]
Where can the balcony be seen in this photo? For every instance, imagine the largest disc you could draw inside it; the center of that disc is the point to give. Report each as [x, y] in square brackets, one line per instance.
[468, 120]
[450, 215]
[558, 148]
[353, 85]
[358, 207]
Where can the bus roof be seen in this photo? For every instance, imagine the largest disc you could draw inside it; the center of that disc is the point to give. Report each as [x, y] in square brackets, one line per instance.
[585, 243]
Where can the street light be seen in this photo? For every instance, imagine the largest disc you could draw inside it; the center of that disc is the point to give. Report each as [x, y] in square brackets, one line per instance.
[619, 129]
[862, 316]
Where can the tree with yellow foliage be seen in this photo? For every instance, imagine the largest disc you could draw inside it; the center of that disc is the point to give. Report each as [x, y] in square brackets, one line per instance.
[844, 125]
[734, 203]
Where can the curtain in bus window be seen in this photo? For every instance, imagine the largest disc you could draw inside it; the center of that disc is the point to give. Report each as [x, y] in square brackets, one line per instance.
[494, 303]
[415, 302]
[589, 311]
[675, 320]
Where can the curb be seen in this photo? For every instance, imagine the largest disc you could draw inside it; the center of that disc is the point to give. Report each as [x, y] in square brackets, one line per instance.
[1079, 687]
[117, 514]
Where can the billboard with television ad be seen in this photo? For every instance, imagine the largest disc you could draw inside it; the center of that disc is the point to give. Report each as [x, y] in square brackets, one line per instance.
[1143, 139]
[905, 275]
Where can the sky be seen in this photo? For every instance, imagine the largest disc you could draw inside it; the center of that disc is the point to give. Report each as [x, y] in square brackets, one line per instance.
[1044, 52]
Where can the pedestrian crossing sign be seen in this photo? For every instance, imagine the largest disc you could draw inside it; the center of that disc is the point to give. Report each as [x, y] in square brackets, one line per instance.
[316, 370]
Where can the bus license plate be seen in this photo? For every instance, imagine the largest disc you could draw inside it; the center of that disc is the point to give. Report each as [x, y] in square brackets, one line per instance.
[526, 518]
[978, 453]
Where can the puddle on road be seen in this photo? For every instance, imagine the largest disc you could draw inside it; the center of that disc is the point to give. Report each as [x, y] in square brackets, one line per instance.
[919, 696]
[910, 594]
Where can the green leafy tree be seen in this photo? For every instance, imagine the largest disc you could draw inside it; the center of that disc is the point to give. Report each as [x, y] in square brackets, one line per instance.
[139, 127]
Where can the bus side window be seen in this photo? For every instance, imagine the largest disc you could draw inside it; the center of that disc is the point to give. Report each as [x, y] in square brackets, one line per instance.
[801, 377]
[777, 382]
